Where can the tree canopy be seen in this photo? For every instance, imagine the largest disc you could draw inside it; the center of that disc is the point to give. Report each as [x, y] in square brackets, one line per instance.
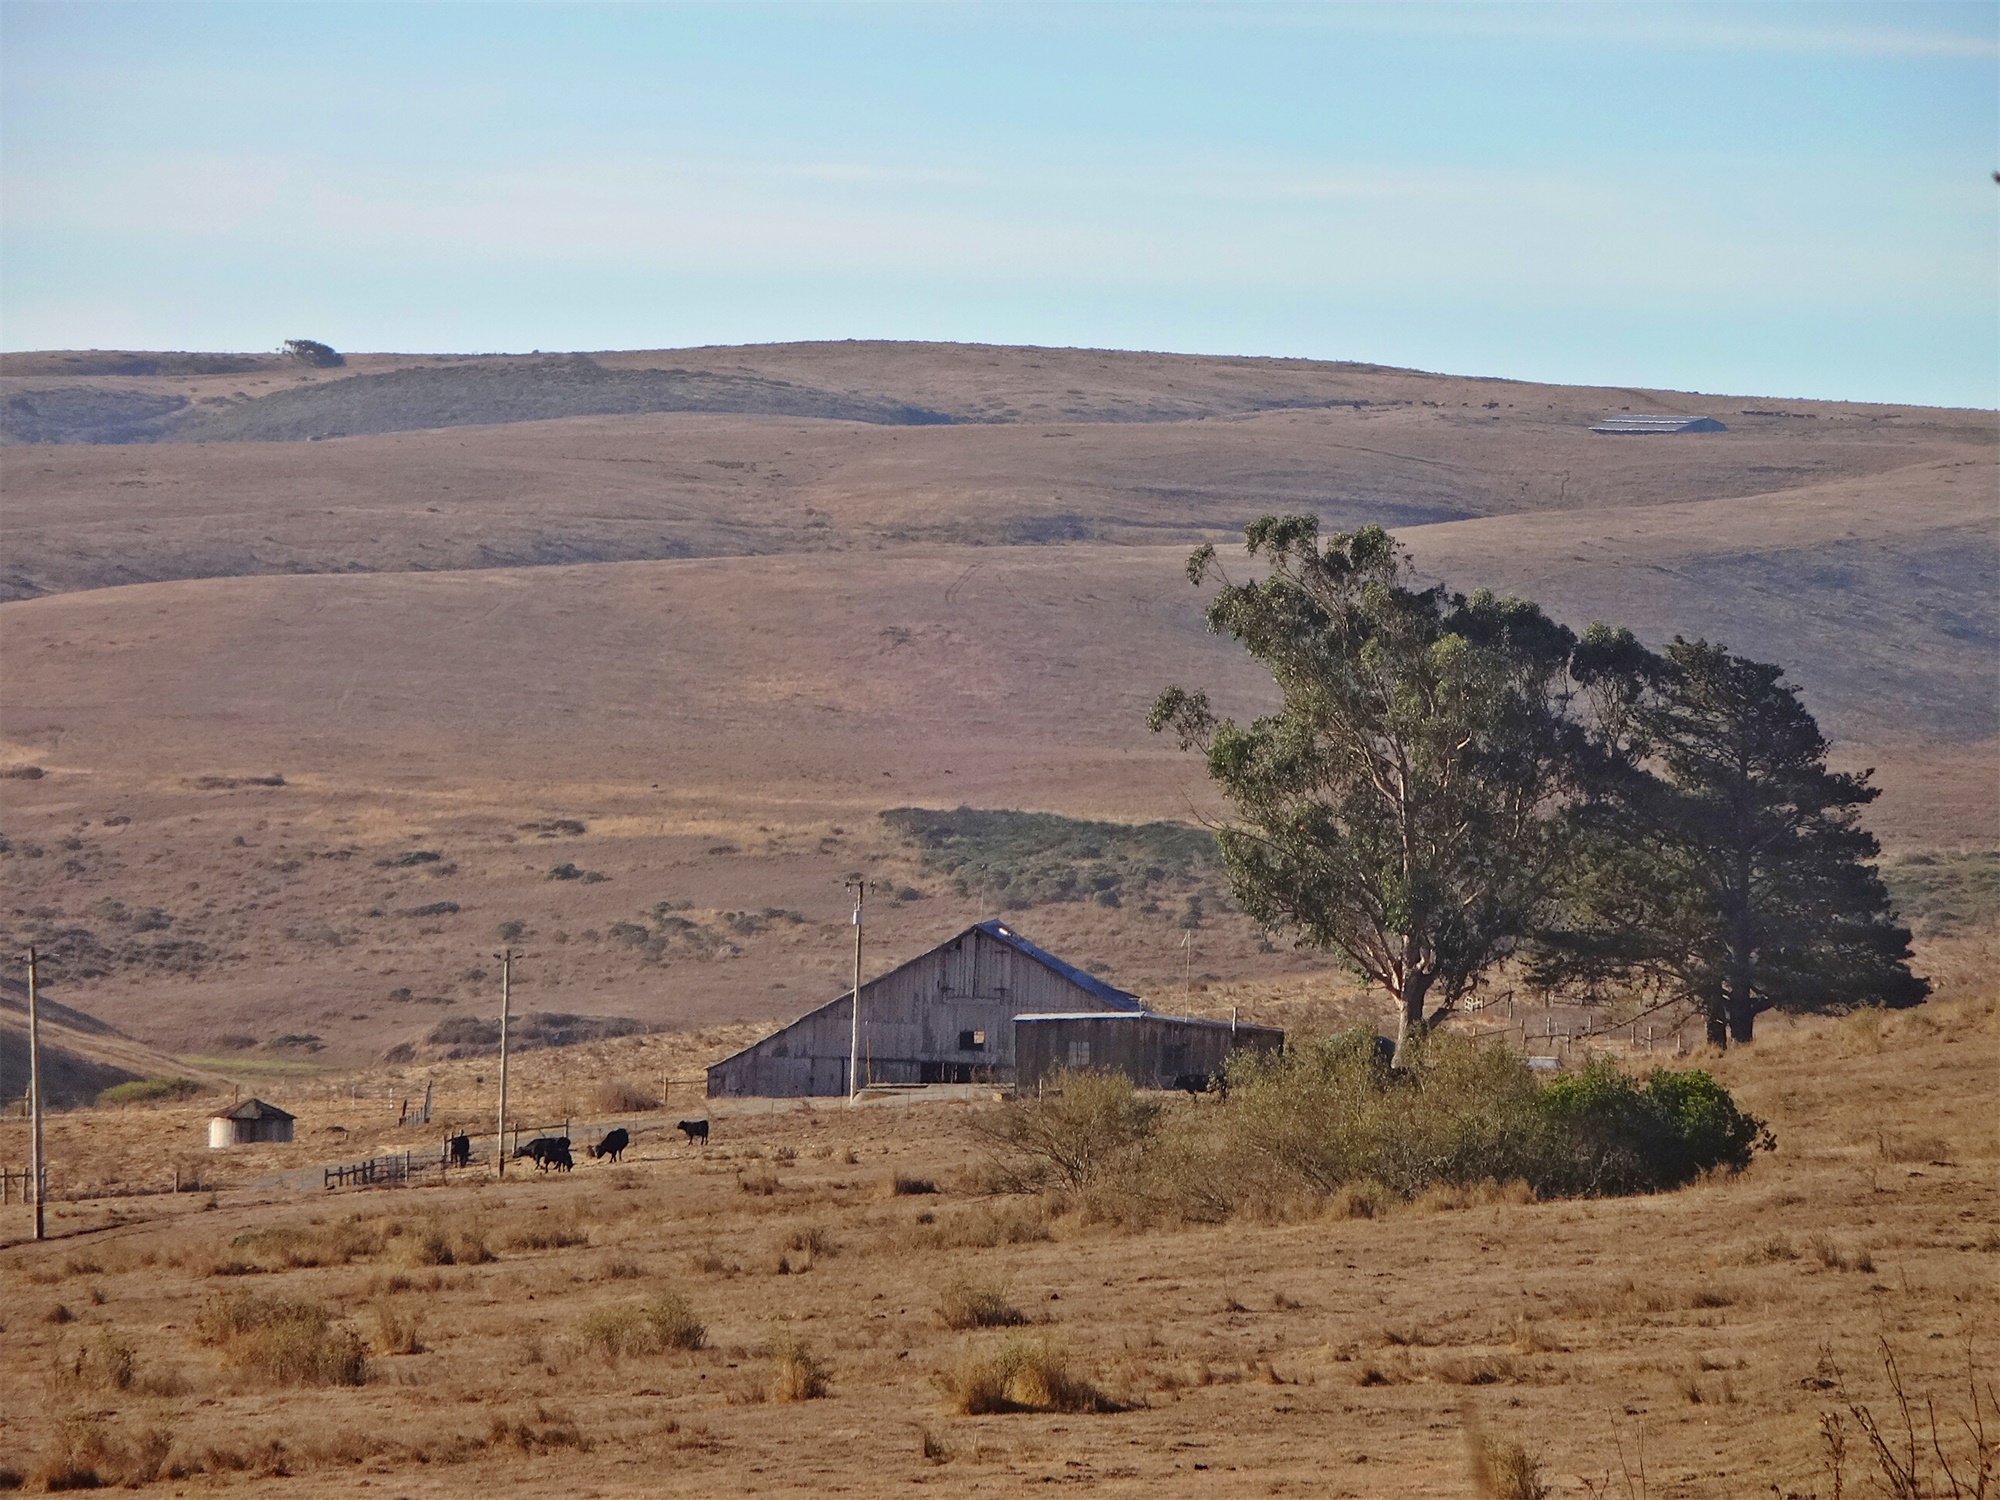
[1728, 868]
[1402, 807]
[1450, 782]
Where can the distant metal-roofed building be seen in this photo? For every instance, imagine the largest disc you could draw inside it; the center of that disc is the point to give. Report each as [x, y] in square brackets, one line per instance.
[945, 1016]
[1640, 426]
[1154, 1051]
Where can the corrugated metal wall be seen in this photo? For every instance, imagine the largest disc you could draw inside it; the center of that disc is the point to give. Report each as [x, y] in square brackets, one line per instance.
[944, 1017]
[1155, 1052]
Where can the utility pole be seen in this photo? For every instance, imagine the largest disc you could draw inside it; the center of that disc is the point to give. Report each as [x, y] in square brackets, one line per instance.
[36, 1171]
[860, 889]
[506, 958]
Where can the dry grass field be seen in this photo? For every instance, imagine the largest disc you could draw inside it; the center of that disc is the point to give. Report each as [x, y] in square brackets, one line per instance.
[321, 686]
[855, 1285]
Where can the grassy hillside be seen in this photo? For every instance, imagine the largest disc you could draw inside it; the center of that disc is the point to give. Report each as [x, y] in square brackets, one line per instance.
[690, 655]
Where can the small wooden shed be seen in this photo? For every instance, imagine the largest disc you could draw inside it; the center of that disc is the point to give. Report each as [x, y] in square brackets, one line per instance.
[1154, 1051]
[247, 1124]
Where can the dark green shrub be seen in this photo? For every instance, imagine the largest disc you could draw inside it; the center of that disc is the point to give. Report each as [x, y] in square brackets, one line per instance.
[149, 1091]
[1705, 1128]
[1300, 1129]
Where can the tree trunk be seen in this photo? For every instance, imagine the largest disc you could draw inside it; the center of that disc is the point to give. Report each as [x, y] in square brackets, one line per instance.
[1742, 1018]
[1410, 1026]
[1718, 1030]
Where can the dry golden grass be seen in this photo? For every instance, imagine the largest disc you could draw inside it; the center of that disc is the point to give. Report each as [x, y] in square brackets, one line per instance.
[1343, 1352]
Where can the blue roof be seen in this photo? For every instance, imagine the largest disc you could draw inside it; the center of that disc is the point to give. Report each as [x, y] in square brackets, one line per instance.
[1111, 995]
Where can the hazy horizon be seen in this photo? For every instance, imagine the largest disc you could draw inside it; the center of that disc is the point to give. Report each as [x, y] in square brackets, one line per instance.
[1780, 200]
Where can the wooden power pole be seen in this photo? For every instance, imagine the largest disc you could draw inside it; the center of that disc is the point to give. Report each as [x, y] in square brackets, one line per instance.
[506, 987]
[860, 889]
[37, 1173]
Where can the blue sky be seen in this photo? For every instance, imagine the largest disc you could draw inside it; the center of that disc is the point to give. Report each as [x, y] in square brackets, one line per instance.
[1761, 199]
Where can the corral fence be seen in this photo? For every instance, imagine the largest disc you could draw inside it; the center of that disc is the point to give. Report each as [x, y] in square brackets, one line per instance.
[411, 1168]
[17, 1186]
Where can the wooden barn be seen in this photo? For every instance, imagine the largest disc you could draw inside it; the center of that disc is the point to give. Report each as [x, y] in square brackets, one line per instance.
[946, 1016]
[247, 1124]
[1154, 1051]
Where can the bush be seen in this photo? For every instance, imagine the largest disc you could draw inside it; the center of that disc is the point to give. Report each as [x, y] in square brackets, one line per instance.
[620, 1097]
[970, 1305]
[665, 1322]
[1330, 1123]
[149, 1091]
[1020, 1375]
[796, 1375]
[1082, 1124]
[285, 1340]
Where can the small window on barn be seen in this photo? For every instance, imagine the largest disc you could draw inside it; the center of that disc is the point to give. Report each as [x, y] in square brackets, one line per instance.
[972, 1041]
[1079, 1054]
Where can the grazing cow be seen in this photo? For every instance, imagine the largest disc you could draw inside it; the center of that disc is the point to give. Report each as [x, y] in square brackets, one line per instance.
[458, 1150]
[612, 1144]
[695, 1130]
[547, 1151]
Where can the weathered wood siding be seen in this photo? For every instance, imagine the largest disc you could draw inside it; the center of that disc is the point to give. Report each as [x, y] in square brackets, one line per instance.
[1155, 1052]
[915, 1023]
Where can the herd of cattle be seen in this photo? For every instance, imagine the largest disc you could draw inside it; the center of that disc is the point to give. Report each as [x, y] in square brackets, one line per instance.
[547, 1151]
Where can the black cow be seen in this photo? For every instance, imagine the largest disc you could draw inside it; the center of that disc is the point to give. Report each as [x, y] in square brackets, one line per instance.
[458, 1150]
[547, 1151]
[695, 1130]
[612, 1144]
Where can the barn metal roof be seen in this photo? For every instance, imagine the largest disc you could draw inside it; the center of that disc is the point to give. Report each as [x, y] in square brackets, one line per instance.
[1634, 426]
[1110, 994]
[1148, 1015]
[254, 1109]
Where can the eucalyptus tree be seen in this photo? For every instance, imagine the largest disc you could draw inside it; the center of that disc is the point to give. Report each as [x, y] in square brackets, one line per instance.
[1406, 805]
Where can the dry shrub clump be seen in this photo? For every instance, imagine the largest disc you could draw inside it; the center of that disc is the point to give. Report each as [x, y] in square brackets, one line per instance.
[619, 1096]
[796, 1373]
[545, 1432]
[1505, 1470]
[804, 1246]
[290, 1247]
[903, 1185]
[977, 1305]
[664, 1322]
[439, 1244]
[1298, 1129]
[984, 1227]
[546, 1237]
[81, 1455]
[1019, 1375]
[284, 1340]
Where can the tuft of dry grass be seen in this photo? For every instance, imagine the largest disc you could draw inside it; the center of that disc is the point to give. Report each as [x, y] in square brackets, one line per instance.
[1019, 1375]
[620, 1096]
[665, 1322]
[397, 1331]
[1503, 1469]
[967, 1304]
[439, 1244]
[796, 1373]
[904, 1185]
[284, 1340]
[546, 1237]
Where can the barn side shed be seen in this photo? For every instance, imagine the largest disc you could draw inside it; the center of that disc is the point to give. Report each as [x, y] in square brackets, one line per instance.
[945, 1016]
[1154, 1051]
